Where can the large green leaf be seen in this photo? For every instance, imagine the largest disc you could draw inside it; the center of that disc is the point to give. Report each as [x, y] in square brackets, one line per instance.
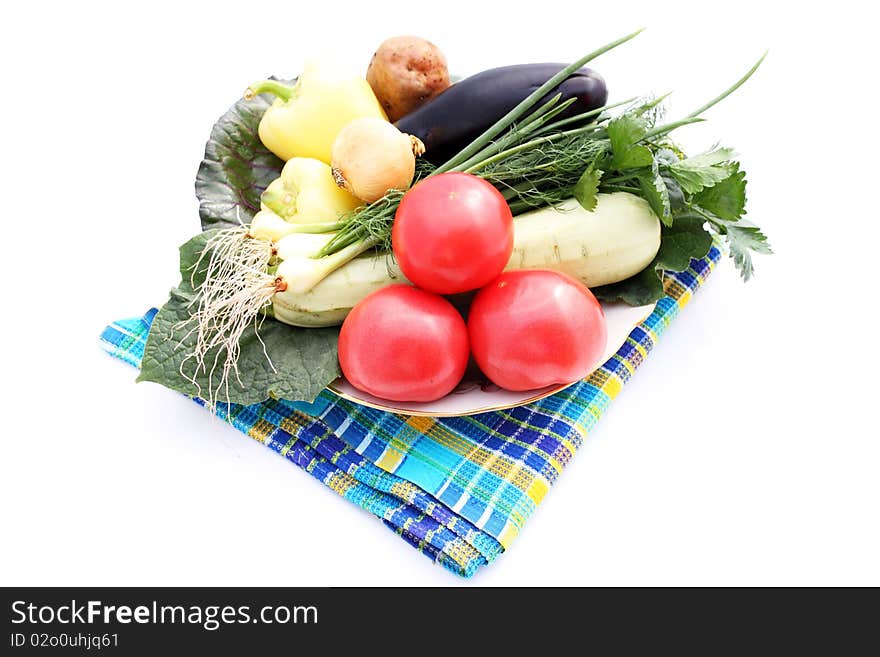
[236, 167]
[644, 288]
[684, 240]
[304, 360]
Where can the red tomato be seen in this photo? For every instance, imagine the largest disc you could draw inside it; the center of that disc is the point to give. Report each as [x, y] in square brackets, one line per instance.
[403, 344]
[534, 328]
[452, 233]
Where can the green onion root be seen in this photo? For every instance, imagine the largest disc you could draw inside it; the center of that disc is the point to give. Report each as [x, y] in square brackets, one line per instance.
[229, 299]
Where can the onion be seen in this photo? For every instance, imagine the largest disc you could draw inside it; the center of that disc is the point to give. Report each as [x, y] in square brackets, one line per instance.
[370, 157]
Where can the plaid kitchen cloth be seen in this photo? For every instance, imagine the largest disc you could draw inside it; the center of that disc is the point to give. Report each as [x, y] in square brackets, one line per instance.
[457, 489]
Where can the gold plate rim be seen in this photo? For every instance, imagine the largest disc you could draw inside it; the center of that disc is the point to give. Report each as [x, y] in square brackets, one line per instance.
[487, 409]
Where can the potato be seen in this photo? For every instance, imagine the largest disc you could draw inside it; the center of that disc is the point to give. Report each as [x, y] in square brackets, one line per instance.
[405, 72]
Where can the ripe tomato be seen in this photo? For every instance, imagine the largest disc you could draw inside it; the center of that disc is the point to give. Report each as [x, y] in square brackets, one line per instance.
[403, 344]
[534, 328]
[452, 233]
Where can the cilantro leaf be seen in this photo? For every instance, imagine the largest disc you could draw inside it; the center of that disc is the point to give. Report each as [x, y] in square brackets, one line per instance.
[667, 156]
[676, 194]
[741, 240]
[654, 191]
[727, 198]
[707, 159]
[587, 188]
[635, 157]
[694, 181]
[705, 170]
[625, 132]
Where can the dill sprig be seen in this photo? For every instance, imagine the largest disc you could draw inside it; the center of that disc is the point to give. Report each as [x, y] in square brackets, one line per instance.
[370, 224]
[544, 173]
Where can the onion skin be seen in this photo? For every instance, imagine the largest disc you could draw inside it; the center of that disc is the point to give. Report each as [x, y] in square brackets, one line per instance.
[370, 157]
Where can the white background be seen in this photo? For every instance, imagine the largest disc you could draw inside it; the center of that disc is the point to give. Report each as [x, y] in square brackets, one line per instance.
[745, 451]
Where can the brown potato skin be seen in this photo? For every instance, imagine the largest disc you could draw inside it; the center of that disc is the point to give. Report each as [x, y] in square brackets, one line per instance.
[405, 72]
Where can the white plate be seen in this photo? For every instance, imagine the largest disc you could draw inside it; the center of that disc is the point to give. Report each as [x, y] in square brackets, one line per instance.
[479, 396]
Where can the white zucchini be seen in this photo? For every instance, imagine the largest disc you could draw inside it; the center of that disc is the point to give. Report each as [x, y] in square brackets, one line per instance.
[618, 239]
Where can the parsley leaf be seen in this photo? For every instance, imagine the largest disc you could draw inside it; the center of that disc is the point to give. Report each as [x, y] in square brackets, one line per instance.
[676, 195]
[654, 191]
[705, 170]
[727, 198]
[626, 130]
[667, 156]
[741, 240]
[707, 159]
[587, 188]
[624, 133]
[635, 157]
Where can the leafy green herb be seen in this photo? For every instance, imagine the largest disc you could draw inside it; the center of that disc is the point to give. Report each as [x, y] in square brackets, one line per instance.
[722, 206]
[301, 362]
[727, 198]
[587, 187]
[704, 170]
[741, 240]
[625, 133]
[654, 190]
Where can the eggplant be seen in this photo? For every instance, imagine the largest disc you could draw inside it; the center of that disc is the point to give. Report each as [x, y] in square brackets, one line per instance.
[461, 113]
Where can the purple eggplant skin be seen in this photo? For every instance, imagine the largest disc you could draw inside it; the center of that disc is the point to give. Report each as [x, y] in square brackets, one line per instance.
[454, 118]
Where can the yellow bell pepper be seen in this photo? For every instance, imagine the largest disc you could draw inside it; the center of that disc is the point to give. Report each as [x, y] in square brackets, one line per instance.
[305, 118]
[305, 193]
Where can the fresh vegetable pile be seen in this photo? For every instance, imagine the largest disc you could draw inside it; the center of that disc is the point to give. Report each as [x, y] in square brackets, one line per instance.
[484, 222]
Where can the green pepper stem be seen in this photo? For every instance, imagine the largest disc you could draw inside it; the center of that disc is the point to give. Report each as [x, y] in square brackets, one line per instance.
[283, 91]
